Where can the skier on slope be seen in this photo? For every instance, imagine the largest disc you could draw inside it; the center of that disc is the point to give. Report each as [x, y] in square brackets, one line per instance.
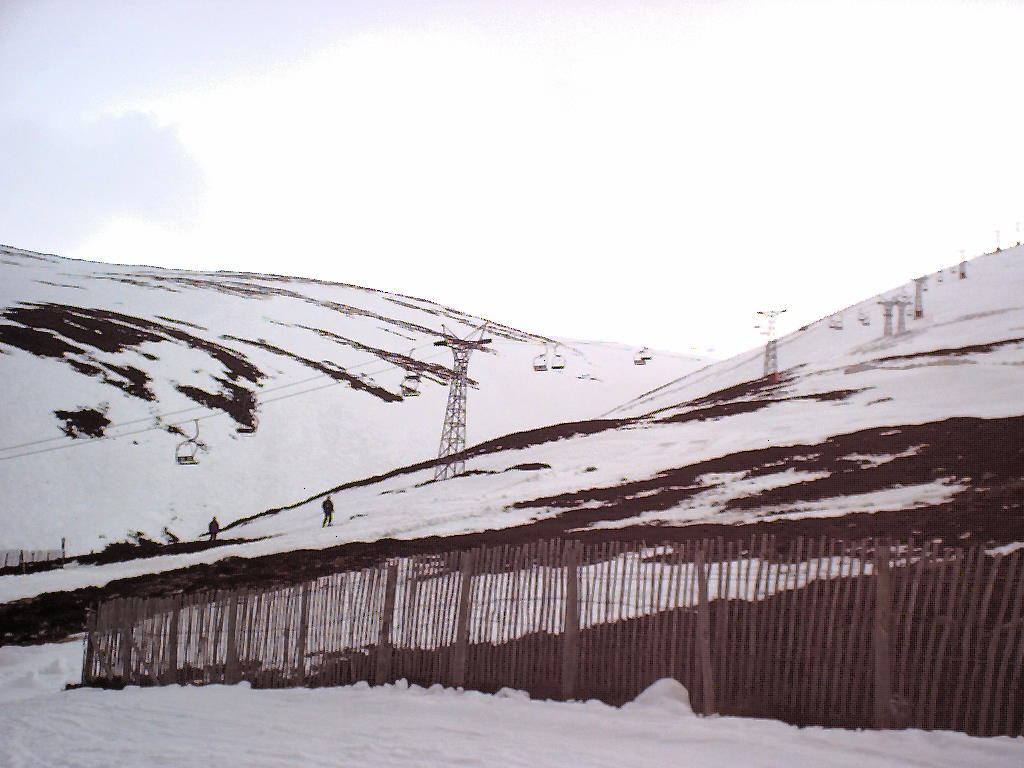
[328, 506]
[214, 528]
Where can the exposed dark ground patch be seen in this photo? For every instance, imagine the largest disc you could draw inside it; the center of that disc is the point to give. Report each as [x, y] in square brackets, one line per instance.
[123, 551]
[233, 399]
[972, 349]
[61, 331]
[511, 441]
[985, 455]
[89, 422]
[55, 285]
[79, 328]
[741, 394]
[39, 343]
[406, 362]
[332, 370]
[253, 286]
[186, 323]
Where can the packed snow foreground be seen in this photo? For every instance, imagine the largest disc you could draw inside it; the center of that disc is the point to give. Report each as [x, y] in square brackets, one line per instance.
[401, 725]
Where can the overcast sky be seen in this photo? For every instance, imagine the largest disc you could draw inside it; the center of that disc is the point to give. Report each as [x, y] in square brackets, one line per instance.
[645, 172]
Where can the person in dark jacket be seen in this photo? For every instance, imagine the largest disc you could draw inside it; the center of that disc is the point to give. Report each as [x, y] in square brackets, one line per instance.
[214, 529]
[328, 506]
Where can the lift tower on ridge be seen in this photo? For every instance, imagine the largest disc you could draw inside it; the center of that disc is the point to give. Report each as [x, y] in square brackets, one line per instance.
[453, 434]
[771, 355]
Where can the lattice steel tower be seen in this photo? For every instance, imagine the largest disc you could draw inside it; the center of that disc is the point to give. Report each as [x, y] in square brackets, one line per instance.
[453, 434]
[771, 355]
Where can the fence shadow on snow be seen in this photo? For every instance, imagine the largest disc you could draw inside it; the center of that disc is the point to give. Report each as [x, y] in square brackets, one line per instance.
[825, 632]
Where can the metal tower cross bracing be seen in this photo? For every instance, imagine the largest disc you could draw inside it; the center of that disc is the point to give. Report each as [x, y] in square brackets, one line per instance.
[453, 433]
[771, 354]
[920, 286]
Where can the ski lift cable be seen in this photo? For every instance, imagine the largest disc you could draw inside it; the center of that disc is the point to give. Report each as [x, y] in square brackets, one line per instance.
[192, 408]
[211, 415]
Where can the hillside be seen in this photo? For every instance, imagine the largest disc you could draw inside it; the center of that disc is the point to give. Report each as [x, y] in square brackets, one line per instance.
[295, 384]
[913, 435]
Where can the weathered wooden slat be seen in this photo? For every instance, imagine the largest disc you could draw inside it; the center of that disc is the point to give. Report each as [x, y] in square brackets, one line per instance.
[960, 575]
[384, 648]
[995, 639]
[972, 645]
[708, 705]
[881, 640]
[1013, 634]
[571, 631]
[798, 637]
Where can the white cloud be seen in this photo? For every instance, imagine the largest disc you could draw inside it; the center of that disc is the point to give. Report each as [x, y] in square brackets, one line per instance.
[646, 175]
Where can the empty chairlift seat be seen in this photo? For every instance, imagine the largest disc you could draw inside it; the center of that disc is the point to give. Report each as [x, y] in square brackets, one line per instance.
[411, 385]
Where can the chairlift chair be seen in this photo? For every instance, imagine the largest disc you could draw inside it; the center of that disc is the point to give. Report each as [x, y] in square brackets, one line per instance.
[186, 451]
[410, 386]
[836, 323]
[642, 357]
[247, 429]
[540, 362]
[864, 318]
[557, 362]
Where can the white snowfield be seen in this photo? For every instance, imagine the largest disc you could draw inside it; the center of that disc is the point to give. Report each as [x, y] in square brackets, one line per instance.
[890, 382]
[400, 725]
[886, 381]
[314, 432]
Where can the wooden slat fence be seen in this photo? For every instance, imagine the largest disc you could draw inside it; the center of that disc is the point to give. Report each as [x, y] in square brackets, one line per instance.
[855, 634]
[10, 558]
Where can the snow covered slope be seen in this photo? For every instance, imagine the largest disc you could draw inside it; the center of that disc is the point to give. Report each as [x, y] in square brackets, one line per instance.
[104, 367]
[915, 434]
[440, 727]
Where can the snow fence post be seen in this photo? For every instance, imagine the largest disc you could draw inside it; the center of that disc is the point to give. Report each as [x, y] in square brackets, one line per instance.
[128, 619]
[571, 635]
[89, 653]
[882, 629]
[708, 703]
[303, 632]
[171, 675]
[461, 648]
[383, 671]
[232, 673]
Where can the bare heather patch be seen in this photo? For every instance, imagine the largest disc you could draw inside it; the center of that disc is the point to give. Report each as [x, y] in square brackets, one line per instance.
[332, 370]
[84, 421]
[233, 399]
[985, 456]
[76, 334]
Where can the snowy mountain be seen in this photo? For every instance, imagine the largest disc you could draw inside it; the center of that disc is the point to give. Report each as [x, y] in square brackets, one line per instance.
[916, 433]
[912, 434]
[295, 385]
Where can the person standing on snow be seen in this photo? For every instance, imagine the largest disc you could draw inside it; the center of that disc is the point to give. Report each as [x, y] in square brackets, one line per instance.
[214, 528]
[328, 506]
